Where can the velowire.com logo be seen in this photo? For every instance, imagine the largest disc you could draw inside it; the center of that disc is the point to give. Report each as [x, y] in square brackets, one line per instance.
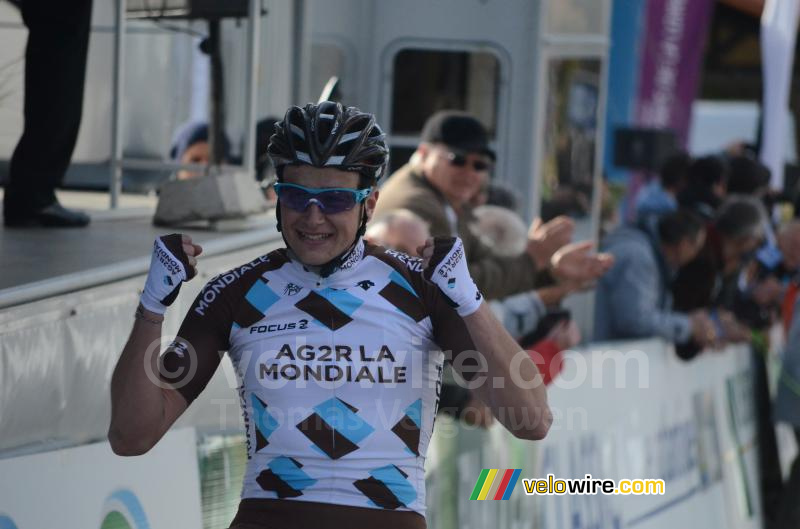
[495, 484]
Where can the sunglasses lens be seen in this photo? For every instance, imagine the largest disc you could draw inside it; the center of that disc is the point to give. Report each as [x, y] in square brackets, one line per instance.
[328, 201]
[294, 198]
[459, 160]
[337, 201]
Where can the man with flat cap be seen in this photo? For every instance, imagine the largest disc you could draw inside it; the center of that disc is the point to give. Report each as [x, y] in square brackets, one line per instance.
[448, 168]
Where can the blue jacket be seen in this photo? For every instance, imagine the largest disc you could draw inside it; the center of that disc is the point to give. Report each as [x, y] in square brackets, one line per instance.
[787, 401]
[633, 300]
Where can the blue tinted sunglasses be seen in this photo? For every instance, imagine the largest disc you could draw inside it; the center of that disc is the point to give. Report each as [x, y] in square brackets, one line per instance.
[328, 199]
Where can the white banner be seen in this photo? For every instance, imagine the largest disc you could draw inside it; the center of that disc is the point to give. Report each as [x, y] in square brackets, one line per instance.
[628, 410]
[89, 487]
[778, 36]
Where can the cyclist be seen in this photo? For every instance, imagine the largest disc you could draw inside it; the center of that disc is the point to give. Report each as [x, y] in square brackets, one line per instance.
[338, 344]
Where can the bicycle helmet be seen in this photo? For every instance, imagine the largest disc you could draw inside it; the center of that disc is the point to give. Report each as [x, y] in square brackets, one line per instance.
[330, 135]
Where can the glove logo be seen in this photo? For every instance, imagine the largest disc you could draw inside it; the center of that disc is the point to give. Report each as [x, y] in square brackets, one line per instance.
[451, 283]
[168, 281]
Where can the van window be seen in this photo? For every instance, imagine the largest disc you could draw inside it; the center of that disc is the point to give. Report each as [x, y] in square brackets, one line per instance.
[429, 80]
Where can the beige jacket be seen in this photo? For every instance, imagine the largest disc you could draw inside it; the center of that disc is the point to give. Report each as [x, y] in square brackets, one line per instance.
[495, 276]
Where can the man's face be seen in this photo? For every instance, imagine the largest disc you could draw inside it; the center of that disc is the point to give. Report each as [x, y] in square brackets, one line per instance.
[459, 176]
[316, 237]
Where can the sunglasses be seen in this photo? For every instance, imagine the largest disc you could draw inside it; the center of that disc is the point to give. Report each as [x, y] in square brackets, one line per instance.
[460, 160]
[328, 199]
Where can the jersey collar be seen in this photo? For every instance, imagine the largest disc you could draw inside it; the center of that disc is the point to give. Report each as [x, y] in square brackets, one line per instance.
[352, 257]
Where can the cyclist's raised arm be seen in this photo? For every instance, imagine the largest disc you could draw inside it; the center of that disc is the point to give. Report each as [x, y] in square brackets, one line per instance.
[142, 408]
[149, 392]
[483, 352]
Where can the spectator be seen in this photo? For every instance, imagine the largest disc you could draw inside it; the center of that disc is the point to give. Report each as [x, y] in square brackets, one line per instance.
[787, 410]
[747, 176]
[711, 279]
[401, 230]
[501, 229]
[660, 195]
[55, 71]
[771, 281]
[445, 172]
[190, 146]
[706, 186]
[634, 299]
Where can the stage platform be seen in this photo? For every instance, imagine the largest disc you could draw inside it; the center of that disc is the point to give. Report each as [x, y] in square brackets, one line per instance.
[38, 262]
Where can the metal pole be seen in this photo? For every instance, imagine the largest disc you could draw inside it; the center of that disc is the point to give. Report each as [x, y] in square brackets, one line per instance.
[217, 123]
[115, 177]
[298, 52]
[251, 80]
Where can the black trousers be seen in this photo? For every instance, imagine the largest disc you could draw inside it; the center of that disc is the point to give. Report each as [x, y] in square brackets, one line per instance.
[771, 479]
[55, 71]
[789, 511]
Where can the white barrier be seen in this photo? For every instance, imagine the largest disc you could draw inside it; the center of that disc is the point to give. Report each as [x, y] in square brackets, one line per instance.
[622, 410]
[57, 356]
[89, 486]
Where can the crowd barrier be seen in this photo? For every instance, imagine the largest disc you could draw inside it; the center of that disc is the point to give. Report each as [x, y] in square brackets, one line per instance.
[624, 410]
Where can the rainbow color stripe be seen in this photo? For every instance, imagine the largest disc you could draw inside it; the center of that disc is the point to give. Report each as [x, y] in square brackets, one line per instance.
[495, 484]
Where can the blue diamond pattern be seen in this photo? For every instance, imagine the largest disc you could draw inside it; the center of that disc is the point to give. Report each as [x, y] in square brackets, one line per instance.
[287, 470]
[400, 280]
[261, 296]
[396, 482]
[342, 300]
[265, 422]
[343, 420]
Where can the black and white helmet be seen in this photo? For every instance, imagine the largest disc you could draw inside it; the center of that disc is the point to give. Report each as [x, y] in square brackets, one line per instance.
[330, 135]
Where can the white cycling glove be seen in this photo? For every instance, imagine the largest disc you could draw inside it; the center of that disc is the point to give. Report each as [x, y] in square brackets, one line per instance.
[448, 270]
[169, 267]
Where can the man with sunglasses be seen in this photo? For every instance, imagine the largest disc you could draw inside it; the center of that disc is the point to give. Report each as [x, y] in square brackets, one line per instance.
[448, 168]
[339, 345]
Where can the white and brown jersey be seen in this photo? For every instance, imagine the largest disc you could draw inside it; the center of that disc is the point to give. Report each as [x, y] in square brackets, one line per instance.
[339, 377]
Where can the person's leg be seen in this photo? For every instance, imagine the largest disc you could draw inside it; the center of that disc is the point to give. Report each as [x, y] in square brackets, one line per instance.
[768, 458]
[55, 70]
[789, 511]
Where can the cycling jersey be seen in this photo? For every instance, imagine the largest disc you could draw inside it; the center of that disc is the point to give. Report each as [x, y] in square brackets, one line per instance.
[339, 377]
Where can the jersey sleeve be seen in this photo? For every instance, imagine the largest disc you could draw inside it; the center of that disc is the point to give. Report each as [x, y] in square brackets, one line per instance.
[192, 358]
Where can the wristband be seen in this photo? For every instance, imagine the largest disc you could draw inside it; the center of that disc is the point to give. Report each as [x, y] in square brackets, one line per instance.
[448, 270]
[169, 267]
[140, 315]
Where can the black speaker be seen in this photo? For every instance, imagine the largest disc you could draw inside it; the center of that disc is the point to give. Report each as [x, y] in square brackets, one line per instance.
[643, 149]
[186, 9]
